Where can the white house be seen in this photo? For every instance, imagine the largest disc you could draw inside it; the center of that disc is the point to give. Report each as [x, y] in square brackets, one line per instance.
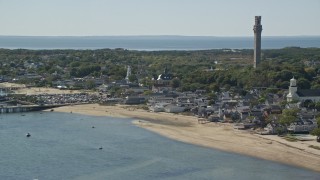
[302, 126]
[171, 108]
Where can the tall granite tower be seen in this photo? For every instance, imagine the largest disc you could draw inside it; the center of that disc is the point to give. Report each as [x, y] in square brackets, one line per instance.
[257, 28]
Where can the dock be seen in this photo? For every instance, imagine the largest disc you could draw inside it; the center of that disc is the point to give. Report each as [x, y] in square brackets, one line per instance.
[27, 108]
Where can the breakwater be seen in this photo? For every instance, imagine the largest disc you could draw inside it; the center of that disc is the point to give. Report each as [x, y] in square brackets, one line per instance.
[27, 108]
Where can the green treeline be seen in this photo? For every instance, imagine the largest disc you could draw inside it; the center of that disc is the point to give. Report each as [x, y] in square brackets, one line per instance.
[205, 69]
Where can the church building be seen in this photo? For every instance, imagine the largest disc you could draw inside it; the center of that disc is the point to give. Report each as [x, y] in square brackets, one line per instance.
[302, 94]
[161, 84]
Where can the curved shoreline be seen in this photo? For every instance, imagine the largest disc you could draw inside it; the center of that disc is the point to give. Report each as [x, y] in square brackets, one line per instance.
[213, 135]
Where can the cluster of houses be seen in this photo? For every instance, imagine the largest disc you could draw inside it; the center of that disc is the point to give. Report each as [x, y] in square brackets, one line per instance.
[305, 123]
[244, 111]
[24, 73]
[227, 106]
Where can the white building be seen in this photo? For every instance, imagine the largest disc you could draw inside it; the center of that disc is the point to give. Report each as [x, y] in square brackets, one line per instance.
[171, 108]
[303, 94]
[128, 74]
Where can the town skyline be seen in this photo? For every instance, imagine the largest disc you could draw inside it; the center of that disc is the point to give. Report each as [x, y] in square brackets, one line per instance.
[148, 18]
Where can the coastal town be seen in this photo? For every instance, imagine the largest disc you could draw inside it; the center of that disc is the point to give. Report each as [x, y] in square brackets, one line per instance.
[263, 109]
[170, 89]
[249, 111]
[244, 123]
[274, 103]
[277, 122]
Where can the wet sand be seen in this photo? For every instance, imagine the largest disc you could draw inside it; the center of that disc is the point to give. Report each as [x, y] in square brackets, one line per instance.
[213, 135]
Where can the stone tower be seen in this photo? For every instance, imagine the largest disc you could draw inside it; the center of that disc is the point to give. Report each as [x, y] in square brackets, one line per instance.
[257, 28]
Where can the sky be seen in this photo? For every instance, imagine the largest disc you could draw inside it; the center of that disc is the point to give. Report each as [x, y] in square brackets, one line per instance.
[158, 17]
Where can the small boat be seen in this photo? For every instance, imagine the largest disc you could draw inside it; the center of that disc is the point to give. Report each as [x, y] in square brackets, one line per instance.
[93, 127]
[100, 148]
[28, 135]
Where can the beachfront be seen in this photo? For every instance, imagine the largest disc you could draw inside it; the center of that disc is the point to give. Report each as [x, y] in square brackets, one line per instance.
[213, 135]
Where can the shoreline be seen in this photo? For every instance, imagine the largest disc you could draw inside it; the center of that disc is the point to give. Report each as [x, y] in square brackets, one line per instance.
[218, 136]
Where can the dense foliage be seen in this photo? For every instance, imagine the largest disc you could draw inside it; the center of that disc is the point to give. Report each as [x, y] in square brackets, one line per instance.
[205, 69]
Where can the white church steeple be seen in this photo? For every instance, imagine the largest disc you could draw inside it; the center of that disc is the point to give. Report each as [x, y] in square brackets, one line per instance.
[292, 95]
[293, 82]
[128, 73]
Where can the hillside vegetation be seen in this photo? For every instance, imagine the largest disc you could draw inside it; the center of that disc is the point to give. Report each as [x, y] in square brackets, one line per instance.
[205, 69]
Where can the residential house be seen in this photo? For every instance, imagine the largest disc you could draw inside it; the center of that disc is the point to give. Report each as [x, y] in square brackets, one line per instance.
[154, 100]
[172, 108]
[134, 100]
[302, 126]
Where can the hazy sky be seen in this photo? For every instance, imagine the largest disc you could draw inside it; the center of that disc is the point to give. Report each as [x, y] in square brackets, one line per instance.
[158, 17]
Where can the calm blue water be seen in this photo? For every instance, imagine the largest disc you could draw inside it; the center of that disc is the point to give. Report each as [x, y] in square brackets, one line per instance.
[153, 42]
[64, 146]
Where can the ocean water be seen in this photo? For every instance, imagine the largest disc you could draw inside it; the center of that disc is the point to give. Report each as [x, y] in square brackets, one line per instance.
[150, 43]
[65, 146]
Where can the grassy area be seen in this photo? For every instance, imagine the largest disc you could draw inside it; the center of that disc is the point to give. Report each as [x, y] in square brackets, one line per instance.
[290, 138]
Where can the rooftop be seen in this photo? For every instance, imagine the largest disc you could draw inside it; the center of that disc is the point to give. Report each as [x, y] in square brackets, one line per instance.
[308, 92]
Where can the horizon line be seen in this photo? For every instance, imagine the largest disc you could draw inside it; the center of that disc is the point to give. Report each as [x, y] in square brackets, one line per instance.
[155, 36]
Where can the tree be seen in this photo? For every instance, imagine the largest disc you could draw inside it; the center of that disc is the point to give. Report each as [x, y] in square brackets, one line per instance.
[146, 81]
[148, 92]
[133, 78]
[316, 131]
[90, 84]
[288, 116]
[285, 75]
[214, 87]
[175, 83]
[303, 83]
[317, 106]
[308, 104]
[262, 100]
[84, 70]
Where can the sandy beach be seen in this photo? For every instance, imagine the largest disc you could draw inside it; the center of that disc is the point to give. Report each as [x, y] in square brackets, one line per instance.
[213, 135]
[22, 89]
